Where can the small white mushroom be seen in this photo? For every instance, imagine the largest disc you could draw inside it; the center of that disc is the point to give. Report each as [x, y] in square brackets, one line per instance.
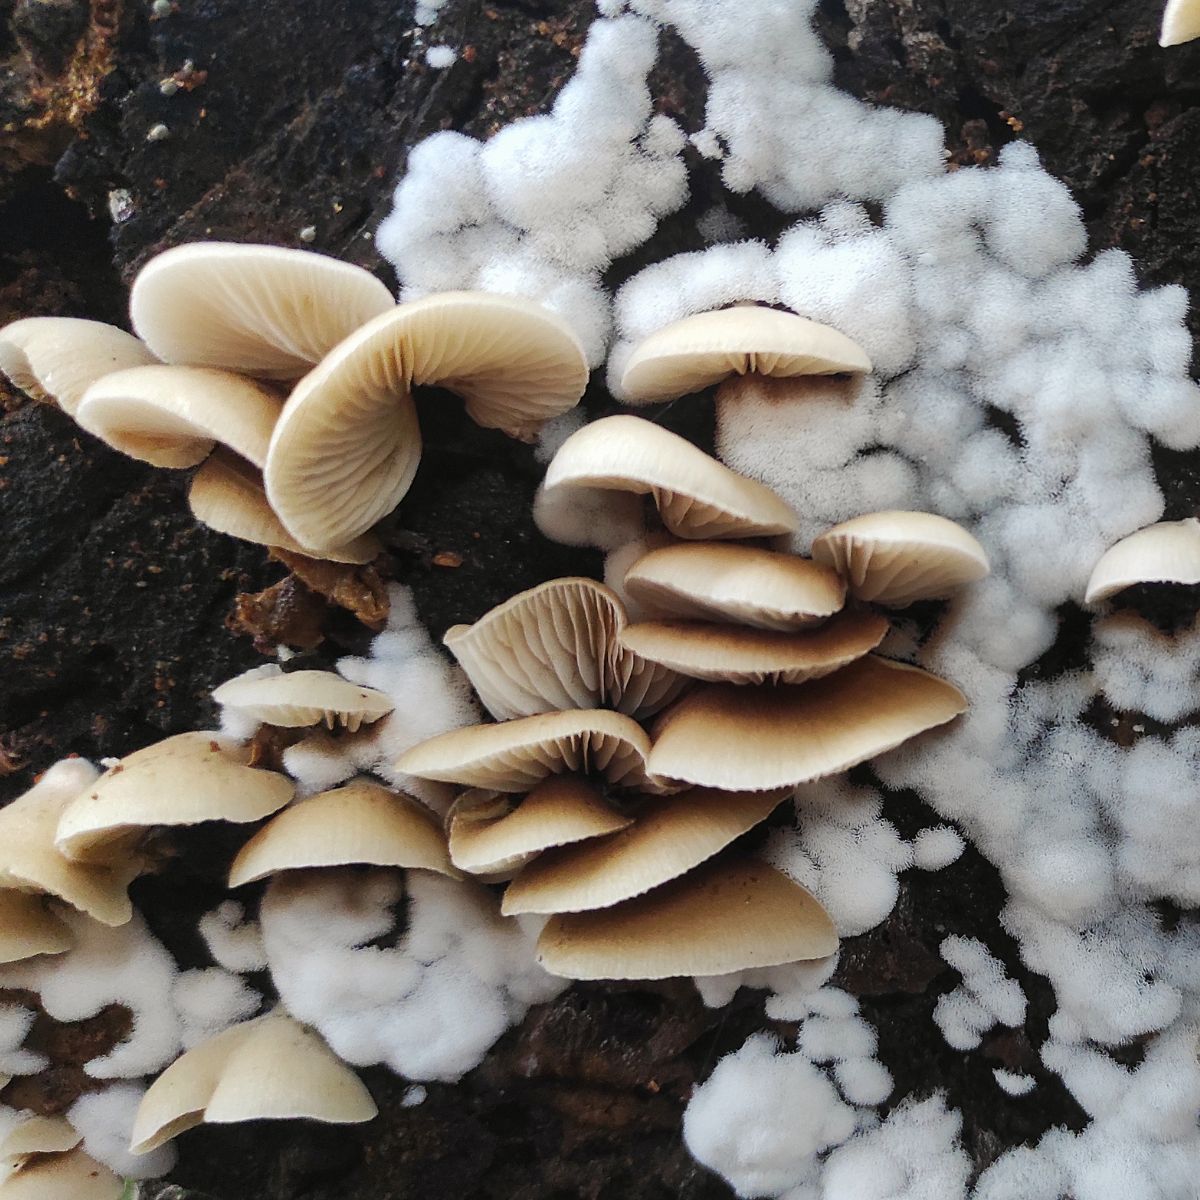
[1168, 552]
[73, 1175]
[29, 927]
[297, 699]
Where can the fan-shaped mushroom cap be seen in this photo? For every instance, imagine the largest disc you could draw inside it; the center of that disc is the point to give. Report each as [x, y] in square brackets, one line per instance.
[705, 348]
[558, 646]
[173, 416]
[733, 737]
[894, 558]
[358, 823]
[37, 1135]
[269, 1068]
[227, 495]
[726, 653]
[697, 497]
[347, 445]
[1180, 22]
[59, 358]
[183, 780]
[712, 581]
[29, 860]
[259, 310]
[299, 698]
[669, 838]
[489, 837]
[728, 916]
[28, 927]
[515, 756]
[1168, 552]
[70, 1176]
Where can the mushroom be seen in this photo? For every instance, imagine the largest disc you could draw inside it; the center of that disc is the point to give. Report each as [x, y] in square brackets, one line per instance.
[360, 822]
[697, 497]
[1168, 552]
[183, 780]
[227, 495]
[28, 927]
[347, 444]
[515, 756]
[259, 310]
[895, 557]
[59, 358]
[713, 581]
[728, 916]
[746, 340]
[489, 836]
[34, 1136]
[173, 416]
[302, 698]
[1180, 22]
[670, 837]
[756, 738]
[723, 653]
[558, 646]
[30, 862]
[271, 1068]
[73, 1175]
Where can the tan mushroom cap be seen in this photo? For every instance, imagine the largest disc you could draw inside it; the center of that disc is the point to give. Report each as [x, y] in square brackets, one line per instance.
[1180, 22]
[70, 1176]
[296, 699]
[895, 558]
[714, 581]
[37, 1135]
[730, 654]
[59, 358]
[669, 838]
[227, 495]
[183, 780]
[266, 311]
[28, 927]
[733, 737]
[347, 445]
[557, 646]
[360, 822]
[1168, 552]
[697, 497]
[487, 838]
[272, 1068]
[727, 916]
[705, 348]
[174, 416]
[30, 862]
[515, 756]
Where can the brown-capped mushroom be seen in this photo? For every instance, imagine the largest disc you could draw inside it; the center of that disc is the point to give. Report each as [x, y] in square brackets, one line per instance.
[1168, 552]
[297, 699]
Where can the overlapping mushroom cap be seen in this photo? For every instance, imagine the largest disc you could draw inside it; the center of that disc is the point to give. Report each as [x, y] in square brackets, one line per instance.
[1180, 22]
[296, 699]
[1168, 552]
[28, 927]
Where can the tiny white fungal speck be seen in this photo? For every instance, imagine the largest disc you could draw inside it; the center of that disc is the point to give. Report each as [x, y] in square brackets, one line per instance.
[157, 133]
[169, 86]
[161, 8]
[308, 233]
[120, 204]
[413, 1096]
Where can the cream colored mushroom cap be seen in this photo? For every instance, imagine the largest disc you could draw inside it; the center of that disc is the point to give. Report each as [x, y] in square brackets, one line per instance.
[1180, 22]
[173, 416]
[37, 1135]
[728, 916]
[705, 348]
[28, 927]
[557, 646]
[360, 822]
[670, 837]
[59, 358]
[269, 1068]
[895, 557]
[1168, 552]
[70, 1176]
[730, 654]
[697, 496]
[561, 810]
[227, 495]
[29, 860]
[714, 581]
[347, 445]
[296, 699]
[736, 738]
[515, 756]
[183, 780]
[267, 311]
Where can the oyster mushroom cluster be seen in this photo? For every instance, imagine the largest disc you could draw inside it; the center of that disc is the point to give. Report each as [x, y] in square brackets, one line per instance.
[287, 378]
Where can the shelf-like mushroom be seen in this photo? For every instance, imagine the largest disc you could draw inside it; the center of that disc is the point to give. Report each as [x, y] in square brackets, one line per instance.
[72, 1175]
[34, 1136]
[1168, 552]
[266, 311]
[28, 927]
[297, 699]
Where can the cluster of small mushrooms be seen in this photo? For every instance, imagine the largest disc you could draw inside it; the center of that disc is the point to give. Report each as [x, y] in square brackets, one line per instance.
[627, 756]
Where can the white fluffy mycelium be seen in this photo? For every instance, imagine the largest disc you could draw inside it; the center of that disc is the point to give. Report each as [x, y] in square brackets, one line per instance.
[973, 295]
